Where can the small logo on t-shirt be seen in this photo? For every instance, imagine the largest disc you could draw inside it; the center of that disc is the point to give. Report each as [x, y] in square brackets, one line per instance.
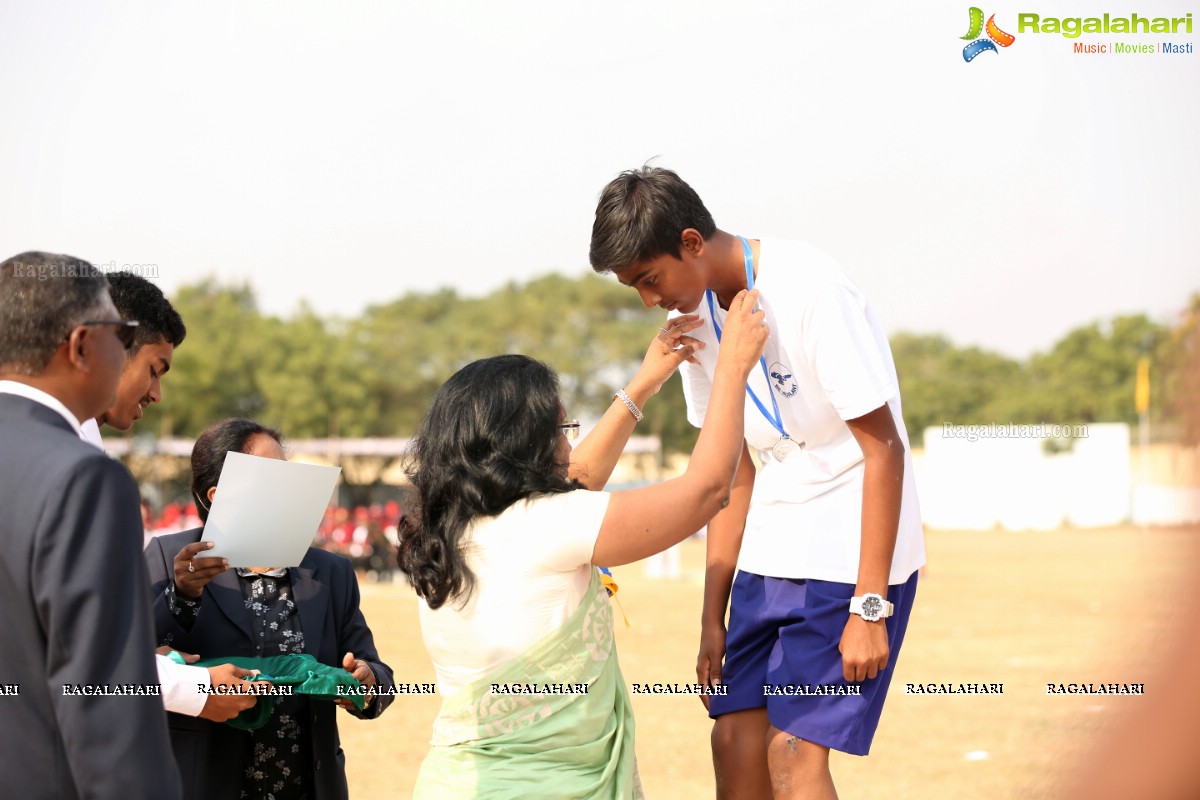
[781, 376]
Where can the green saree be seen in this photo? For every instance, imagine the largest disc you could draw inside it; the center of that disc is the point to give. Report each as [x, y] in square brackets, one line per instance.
[553, 722]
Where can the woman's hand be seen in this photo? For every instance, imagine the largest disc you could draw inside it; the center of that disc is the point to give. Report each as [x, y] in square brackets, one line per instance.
[669, 348]
[593, 459]
[362, 673]
[193, 574]
[745, 333]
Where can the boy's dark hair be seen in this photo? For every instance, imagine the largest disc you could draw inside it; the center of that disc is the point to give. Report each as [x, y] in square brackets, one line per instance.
[139, 299]
[208, 454]
[640, 216]
[43, 296]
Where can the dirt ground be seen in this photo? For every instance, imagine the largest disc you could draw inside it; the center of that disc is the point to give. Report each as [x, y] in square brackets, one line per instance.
[1021, 609]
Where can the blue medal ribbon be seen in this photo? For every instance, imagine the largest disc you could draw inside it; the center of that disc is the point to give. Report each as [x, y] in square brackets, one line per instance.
[776, 419]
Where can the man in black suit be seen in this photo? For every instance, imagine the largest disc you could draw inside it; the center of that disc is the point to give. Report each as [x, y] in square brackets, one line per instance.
[77, 629]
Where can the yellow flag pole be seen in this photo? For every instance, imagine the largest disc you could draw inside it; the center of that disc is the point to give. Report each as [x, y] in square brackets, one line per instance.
[1142, 392]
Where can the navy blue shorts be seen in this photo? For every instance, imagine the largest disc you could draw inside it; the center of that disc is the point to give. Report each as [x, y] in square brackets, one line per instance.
[781, 653]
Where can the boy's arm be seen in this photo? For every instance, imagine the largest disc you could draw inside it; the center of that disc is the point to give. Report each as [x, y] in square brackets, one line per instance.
[724, 542]
[864, 645]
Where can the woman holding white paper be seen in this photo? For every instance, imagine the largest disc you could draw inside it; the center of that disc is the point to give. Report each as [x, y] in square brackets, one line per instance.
[202, 606]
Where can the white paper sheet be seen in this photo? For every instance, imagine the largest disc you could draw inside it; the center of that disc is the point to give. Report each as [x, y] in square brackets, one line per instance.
[266, 511]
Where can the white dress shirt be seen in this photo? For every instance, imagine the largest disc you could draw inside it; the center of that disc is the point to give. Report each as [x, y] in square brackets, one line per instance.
[90, 431]
[48, 400]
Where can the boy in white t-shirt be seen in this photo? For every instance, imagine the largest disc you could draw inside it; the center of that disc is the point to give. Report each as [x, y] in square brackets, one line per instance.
[827, 537]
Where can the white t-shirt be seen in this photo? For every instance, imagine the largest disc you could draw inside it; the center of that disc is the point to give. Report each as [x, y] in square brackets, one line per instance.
[533, 565]
[829, 361]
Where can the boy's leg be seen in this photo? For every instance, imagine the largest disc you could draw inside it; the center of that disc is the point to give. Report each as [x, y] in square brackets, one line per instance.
[739, 746]
[799, 769]
[739, 735]
[805, 726]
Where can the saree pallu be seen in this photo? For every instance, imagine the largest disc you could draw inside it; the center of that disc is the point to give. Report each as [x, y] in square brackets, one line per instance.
[554, 722]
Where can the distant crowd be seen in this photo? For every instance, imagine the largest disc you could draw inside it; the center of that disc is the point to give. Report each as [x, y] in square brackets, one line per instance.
[367, 535]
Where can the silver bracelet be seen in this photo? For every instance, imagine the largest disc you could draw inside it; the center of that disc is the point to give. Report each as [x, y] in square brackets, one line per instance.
[624, 397]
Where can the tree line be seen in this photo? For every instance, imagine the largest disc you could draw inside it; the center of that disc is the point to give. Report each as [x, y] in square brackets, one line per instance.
[374, 374]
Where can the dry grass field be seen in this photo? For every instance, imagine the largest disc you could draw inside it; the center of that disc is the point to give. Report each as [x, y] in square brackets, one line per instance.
[1022, 609]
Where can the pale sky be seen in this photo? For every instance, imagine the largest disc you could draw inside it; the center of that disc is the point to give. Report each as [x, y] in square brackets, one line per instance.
[347, 153]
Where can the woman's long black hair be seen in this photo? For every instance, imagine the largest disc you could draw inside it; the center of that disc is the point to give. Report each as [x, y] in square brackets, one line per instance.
[489, 440]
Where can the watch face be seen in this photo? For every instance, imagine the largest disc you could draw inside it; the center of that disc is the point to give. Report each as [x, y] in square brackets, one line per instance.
[872, 606]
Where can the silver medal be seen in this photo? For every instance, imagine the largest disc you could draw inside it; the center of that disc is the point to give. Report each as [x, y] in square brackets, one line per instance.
[785, 447]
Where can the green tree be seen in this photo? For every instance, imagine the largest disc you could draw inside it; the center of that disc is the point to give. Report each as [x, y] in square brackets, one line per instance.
[1090, 374]
[215, 371]
[942, 383]
[303, 379]
[585, 328]
[375, 374]
[1181, 384]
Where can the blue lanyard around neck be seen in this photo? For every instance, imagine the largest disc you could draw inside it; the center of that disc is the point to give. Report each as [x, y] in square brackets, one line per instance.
[776, 420]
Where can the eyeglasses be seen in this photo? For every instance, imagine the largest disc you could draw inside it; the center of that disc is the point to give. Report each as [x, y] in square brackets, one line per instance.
[570, 429]
[126, 329]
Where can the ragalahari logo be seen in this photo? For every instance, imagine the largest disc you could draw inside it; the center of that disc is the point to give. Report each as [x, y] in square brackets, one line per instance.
[995, 36]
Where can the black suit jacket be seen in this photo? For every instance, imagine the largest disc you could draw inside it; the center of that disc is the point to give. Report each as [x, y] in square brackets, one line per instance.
[325, 589]
[75, 611]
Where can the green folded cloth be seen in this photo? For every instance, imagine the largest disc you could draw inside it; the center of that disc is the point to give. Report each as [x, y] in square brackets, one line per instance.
[300, 671]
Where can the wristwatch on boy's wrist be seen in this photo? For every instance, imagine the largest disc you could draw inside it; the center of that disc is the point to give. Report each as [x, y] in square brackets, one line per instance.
[871, 607]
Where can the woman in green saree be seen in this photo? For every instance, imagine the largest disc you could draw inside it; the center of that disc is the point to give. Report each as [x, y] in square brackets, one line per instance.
[502, 547]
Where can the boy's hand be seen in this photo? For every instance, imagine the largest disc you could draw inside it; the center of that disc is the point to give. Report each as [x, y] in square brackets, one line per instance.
[712, 654]
[188, 658]
[225, 705]
[864, 649]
